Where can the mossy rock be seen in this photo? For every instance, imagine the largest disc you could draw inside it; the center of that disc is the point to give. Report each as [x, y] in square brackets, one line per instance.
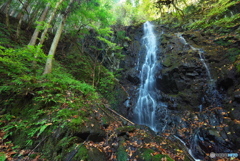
[121, 152]
[125, 129]
[167, 62]
[93, 152]
[80, 154]
[148, 155]
[83, 153]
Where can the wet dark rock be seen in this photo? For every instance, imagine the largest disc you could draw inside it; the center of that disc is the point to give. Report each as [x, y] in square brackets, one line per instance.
[226, 83]
[169, 82]
[96, 137]
[125, 129]
[237, 96]
[133, 77]
[199, 110]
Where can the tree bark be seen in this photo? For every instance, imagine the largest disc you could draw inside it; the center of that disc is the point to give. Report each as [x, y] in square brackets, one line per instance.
[37, 30]
[48, 66]
[7, 14]
[43, 36]
[21, 19]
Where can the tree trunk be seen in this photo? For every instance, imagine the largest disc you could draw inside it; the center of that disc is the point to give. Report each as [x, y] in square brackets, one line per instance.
[7, 14]
[48, 66]
[43, 36]
[37, 30]
[21, 19]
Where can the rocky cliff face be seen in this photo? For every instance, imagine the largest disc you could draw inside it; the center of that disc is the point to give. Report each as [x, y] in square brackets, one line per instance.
[202, 99]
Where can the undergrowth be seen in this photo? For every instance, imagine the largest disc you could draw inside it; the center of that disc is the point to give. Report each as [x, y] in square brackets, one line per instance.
[34, 106]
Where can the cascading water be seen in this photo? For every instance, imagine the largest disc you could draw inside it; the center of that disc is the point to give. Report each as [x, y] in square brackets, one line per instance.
[146, 107]
[200, 53]
[216, 97]
[211, 95]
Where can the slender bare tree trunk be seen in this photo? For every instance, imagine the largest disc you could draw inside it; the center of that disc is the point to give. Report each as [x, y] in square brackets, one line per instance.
[21, 19]
[48, 66]
[53, 13]
[7, 14]
[37, 30]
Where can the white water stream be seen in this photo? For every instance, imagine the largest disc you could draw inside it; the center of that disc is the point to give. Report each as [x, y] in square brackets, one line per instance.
[212, 87]
[145, 110]
[200, 53]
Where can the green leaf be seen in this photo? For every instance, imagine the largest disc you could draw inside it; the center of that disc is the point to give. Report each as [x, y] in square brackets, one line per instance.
[42, 129]
[3, 156]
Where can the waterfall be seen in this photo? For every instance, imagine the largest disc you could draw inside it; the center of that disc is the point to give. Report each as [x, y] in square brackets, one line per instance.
[213, 92]
[200, 53]
[188, 150]
[146, 107]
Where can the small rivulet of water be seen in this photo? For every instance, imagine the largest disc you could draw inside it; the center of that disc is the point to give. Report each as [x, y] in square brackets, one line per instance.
[216, 97]
[145, 110]
[200, 53]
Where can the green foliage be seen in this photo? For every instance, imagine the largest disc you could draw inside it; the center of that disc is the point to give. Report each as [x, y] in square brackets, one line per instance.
[94, 13]
[121, 36]
[26, 128]
[36, 105]
[19, 61]
[111, 45]
[4, 35]
[106, 84]
[16, 66]
[42, 25]
[104, 31]
[3, 156]
[191, 9]
[233, 53]
[127, 15]
[218, 15]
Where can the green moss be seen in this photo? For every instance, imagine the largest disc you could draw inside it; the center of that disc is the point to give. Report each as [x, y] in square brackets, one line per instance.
[161, 156]
[93, 152]
[147, 155]
[3, 156]
[167, 62]
[82, 153]
[125, 129]
[121, 152]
